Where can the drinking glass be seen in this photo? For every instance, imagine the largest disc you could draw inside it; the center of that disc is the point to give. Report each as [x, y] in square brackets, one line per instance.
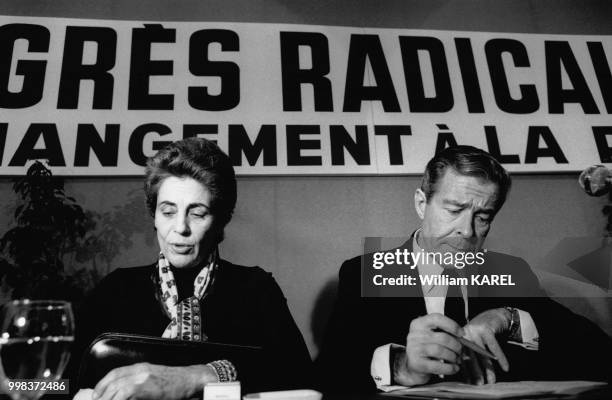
[35, 339]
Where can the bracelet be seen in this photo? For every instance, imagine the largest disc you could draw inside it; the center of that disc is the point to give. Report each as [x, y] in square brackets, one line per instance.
[214, 368]
[224, 370]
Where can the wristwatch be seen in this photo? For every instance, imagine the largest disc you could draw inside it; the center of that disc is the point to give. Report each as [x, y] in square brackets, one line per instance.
[514, 330]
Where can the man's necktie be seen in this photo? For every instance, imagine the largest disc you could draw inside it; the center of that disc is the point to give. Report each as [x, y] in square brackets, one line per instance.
[454, 306]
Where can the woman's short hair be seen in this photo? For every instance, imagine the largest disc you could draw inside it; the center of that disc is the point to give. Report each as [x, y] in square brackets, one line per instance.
[469, 161]
[199, 159]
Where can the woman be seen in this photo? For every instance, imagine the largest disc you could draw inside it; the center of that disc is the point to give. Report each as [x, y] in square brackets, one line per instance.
[190, 293]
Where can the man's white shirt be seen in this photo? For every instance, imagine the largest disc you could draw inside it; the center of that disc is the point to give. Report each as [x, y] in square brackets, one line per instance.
[435, 297]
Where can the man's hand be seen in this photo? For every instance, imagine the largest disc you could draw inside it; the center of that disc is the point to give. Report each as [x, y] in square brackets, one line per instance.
[482, 330]
[149, 381]
[428, 350]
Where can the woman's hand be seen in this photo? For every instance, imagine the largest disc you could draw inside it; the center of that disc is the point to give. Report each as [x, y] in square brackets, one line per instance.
[149, 381]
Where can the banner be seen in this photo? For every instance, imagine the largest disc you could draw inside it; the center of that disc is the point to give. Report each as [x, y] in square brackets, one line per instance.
[96, 97]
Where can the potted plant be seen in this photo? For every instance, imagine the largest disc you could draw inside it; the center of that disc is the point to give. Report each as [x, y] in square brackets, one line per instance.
[49, 227]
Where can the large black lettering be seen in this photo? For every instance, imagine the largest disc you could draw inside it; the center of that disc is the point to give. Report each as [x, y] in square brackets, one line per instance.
[601, 133]
[192, 130]
[340, 140]
[74, 71]
[239, 143]
[394, 135]
[495, 150]
[445, 140]
[88, 139]
[3, 130]
[528, 101]
[293, 77]
[142, 68]
[227, 71]
[602, 71]
[52, 150]
[295, 144]
[469, 75]
[552, 148]
[443, 100]
[135, 150]
[363, 48]
[559, 54]
[33, 71]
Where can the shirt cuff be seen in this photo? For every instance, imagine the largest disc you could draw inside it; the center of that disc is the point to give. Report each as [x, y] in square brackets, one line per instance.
[380, 367]
[528, 330]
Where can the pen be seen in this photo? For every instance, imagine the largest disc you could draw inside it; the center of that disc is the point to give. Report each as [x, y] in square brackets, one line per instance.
[470, 345]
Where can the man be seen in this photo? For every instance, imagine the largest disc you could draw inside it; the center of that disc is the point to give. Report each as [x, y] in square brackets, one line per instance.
[375, 342]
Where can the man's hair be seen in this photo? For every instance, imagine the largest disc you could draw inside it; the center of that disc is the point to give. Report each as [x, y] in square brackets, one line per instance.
[469, 161]
[199, 159]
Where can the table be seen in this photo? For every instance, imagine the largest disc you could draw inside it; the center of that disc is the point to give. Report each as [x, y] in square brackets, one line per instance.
[597, 394]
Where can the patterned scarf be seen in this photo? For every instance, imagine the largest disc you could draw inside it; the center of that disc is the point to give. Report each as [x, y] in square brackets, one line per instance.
[186, 317]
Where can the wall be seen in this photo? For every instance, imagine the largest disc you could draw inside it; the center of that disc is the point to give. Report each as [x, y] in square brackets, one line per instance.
[302, 228]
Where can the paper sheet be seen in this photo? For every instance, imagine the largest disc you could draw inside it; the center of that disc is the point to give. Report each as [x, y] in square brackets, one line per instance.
[500, 390]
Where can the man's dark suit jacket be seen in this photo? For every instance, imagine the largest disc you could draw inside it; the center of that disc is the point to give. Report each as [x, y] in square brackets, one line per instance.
[570, 346]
